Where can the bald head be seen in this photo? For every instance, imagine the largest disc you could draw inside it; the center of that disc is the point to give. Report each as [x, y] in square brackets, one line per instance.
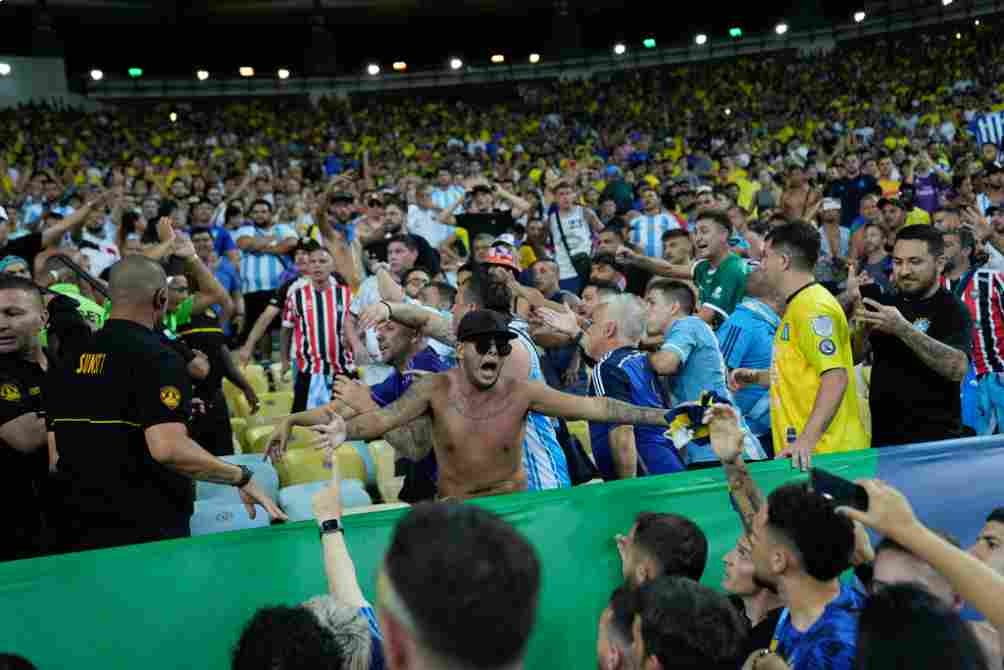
[135, 279]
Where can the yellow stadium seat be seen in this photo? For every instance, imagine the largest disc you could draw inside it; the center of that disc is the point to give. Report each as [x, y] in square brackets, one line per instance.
[301, 466]
[255, 374]
[580, 429]
[275, 405]
[256, 438]
[235, 400]
[382, 455]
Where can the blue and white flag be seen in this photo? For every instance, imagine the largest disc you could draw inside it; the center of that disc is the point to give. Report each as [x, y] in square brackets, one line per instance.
[988, 128]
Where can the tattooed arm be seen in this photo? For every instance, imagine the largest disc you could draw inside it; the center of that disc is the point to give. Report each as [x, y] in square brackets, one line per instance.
[947, 361]
[427, 322]
[413, 404]
[727, 441]
[547, 401]
[413, 440]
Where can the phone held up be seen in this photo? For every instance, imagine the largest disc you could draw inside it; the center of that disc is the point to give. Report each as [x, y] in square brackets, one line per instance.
[842, 492]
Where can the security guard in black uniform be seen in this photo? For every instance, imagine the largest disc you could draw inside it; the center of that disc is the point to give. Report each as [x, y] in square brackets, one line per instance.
[210, 425]
[24, 459]
[118, 420]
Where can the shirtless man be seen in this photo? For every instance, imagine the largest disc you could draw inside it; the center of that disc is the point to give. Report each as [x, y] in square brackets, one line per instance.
[799, 200]
[478, 415]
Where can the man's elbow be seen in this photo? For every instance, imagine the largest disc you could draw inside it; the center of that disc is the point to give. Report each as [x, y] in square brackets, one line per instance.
[960, 368]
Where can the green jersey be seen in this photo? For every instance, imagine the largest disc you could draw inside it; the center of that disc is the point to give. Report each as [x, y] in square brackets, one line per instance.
[721, 289]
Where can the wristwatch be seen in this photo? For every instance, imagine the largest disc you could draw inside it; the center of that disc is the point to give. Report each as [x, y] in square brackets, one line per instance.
[331, 526]
[246, 475]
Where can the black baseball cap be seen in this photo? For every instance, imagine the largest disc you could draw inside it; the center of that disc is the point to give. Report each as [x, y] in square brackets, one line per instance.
[483, 322]
[343, 196]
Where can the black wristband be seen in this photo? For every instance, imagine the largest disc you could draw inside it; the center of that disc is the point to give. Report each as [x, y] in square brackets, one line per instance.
[331, 526]
[246, 475]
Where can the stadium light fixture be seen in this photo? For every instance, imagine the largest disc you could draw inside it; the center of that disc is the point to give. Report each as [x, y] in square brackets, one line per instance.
[701, 40]
[246, 71]
[4, 69]
[173, 117]
[648, 43]
[958, 36]
[534, 58]
[135, 72]
[498, 58]
[620, 49]
[735, 33]
[202, 75]
[456, 64]
[945, 3]
[859, 17]
[976, 22]
[400, 66]
[781, 28]
[97, 75]
[373, 69]
[283, 73]
[728, 111]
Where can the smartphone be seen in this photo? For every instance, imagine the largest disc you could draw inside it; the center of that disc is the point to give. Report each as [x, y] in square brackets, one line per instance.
[842, 492]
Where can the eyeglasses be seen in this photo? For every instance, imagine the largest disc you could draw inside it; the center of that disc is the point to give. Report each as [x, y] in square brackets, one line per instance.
[483, 344]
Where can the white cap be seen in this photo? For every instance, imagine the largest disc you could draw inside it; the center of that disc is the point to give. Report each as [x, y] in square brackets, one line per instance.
[830, 204]
[703, 189]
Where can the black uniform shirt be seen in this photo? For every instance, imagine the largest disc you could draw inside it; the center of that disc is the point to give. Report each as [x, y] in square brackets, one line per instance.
[21, 474]
[126, 381]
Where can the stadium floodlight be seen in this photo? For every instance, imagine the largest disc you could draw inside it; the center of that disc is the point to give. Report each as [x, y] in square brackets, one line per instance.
[246, 71]
[97, 75]
[135, 72]
[945, 3]
[648, 43]
[498, 58]
[283, 73]
[701, 40]
[535, 58]
[781, 28]
[958, 36]
[4, 69]
[373, 69]
[728, 111]
[859, 17]
[735, 32]
[400, 66]
[456, 64]
[202, 75]
[173, 117]
[620, 49]
[976, 22]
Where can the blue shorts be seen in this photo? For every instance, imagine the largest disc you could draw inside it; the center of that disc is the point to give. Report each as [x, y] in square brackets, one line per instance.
[989, 404]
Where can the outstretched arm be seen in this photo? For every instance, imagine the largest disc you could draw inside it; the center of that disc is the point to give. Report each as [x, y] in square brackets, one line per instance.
[547, 401]
[727, 442]
[413, 404]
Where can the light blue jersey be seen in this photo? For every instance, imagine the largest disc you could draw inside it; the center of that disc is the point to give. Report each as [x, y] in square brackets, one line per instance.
[647, 231]
[443, 197]
[543, 458]
[702, 368]
[261, 271]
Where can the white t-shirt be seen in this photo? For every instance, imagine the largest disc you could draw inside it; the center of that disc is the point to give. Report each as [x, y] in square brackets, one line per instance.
[578, 235]
[423, 222]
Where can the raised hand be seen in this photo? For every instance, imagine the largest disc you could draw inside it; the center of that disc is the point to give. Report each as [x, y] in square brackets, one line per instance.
[726, 434]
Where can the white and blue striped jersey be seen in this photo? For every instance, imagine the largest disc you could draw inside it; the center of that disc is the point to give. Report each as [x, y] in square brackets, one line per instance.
[543, 459]
[647, 231]
[442, 197]
[261, 271]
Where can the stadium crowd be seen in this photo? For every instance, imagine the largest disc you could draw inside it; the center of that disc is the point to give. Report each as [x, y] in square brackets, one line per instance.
[804, 258]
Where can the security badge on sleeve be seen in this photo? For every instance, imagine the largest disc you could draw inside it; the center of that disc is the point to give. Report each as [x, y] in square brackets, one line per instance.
[822, 326]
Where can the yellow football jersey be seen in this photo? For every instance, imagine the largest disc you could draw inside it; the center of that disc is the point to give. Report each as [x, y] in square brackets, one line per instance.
[813, 337]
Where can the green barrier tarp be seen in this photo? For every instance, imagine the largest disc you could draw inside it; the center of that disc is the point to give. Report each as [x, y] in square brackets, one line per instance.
[181, 604]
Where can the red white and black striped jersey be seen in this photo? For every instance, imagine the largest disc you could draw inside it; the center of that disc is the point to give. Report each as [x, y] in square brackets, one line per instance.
[983, 296]
[318, 319]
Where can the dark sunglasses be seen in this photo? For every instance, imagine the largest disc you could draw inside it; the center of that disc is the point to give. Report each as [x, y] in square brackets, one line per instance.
[483, 344]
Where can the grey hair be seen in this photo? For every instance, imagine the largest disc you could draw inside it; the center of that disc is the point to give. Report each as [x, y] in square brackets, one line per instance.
[629, 313]
[348, 626]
